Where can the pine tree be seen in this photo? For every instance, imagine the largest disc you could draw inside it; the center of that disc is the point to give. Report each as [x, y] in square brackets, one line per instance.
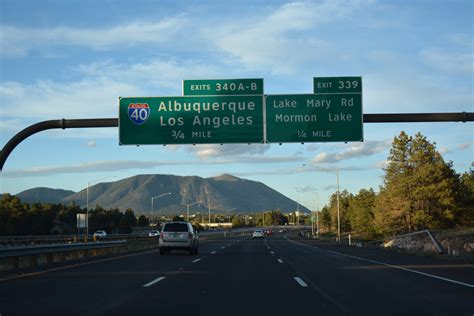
[361, 213]
[419, 188]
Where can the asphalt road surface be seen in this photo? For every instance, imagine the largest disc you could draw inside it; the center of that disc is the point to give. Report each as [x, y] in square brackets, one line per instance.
[279, 275]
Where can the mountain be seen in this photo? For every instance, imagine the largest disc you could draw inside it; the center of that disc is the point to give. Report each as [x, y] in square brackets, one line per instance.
[223, 193]
[44, 195]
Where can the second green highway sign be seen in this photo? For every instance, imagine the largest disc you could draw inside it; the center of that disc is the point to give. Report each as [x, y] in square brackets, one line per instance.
[314, 118]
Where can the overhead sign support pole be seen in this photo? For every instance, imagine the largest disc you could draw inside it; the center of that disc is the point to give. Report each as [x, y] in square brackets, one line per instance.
[113, 122]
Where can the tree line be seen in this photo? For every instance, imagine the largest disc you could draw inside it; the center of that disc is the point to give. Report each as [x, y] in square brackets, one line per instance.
[419, 191]
[18, 218]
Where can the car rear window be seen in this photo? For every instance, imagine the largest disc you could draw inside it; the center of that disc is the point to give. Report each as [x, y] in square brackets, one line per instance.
[175, 227]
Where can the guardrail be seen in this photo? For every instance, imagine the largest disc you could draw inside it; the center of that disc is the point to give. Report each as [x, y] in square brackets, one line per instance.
[8, 241]
[30, 256]
[43, 249]
[426, 231]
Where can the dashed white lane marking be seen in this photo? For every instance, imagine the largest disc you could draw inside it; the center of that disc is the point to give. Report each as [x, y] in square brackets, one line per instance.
[229, 245]
[194, 261]
[212, 253]
[154, 281]
[300, 282]
[272, 252]
[222, 247]
[279, 260]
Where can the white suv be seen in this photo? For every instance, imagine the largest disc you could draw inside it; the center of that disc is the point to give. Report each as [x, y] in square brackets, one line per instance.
[258, 233]
[100, 234]
[178, 236]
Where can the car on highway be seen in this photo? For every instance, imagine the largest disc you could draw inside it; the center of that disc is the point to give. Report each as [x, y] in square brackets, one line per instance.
[153, 233]
[178, 236]
[100, 234]
[258, 233]
[268, 232]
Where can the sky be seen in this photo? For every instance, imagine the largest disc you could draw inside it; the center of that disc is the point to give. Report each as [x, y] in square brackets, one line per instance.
[73, 59]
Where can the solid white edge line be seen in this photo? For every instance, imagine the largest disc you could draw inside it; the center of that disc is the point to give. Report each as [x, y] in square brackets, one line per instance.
[300, 281]
[405, 269]
[389, 265]
[154, 281]
[194, 261]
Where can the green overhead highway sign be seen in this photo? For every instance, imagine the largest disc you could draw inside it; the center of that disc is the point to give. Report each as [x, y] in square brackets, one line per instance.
[314, 118]
[337, 85]
[190, 120]
[223, 87]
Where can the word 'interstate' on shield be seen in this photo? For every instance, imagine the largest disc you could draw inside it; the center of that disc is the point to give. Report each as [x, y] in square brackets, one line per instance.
[191, 120]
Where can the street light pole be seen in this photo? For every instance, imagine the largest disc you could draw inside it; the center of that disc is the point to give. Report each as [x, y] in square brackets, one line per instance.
[297, 207]
[337, 201]
[152, 210]
[209, 204]
[338, 216]
[87, 201]
[187, 209]
[227, 212]
[317, 214]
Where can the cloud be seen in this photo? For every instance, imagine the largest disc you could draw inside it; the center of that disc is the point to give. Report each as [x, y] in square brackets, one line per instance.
[96, 94]
[382, 164]
[306, 188]
[92, 143]
[19, 42]
[213, 151]
[355, 151]
[157, 74]
[465, 145]
[453, 63]
[124, 165]
[285, 37]
[312, 147]
[86, 98]
[456, 148]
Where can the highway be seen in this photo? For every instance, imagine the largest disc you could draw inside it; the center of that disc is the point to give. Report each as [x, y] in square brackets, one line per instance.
[279, 275]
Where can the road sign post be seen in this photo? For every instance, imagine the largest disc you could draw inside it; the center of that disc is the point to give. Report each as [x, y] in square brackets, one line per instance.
[191, 120]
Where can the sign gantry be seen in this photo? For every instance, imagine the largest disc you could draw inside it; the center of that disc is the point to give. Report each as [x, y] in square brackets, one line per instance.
[237, 111]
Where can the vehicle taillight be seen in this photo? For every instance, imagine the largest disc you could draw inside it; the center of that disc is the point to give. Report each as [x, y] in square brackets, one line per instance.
[161, 235]
[190, 236]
